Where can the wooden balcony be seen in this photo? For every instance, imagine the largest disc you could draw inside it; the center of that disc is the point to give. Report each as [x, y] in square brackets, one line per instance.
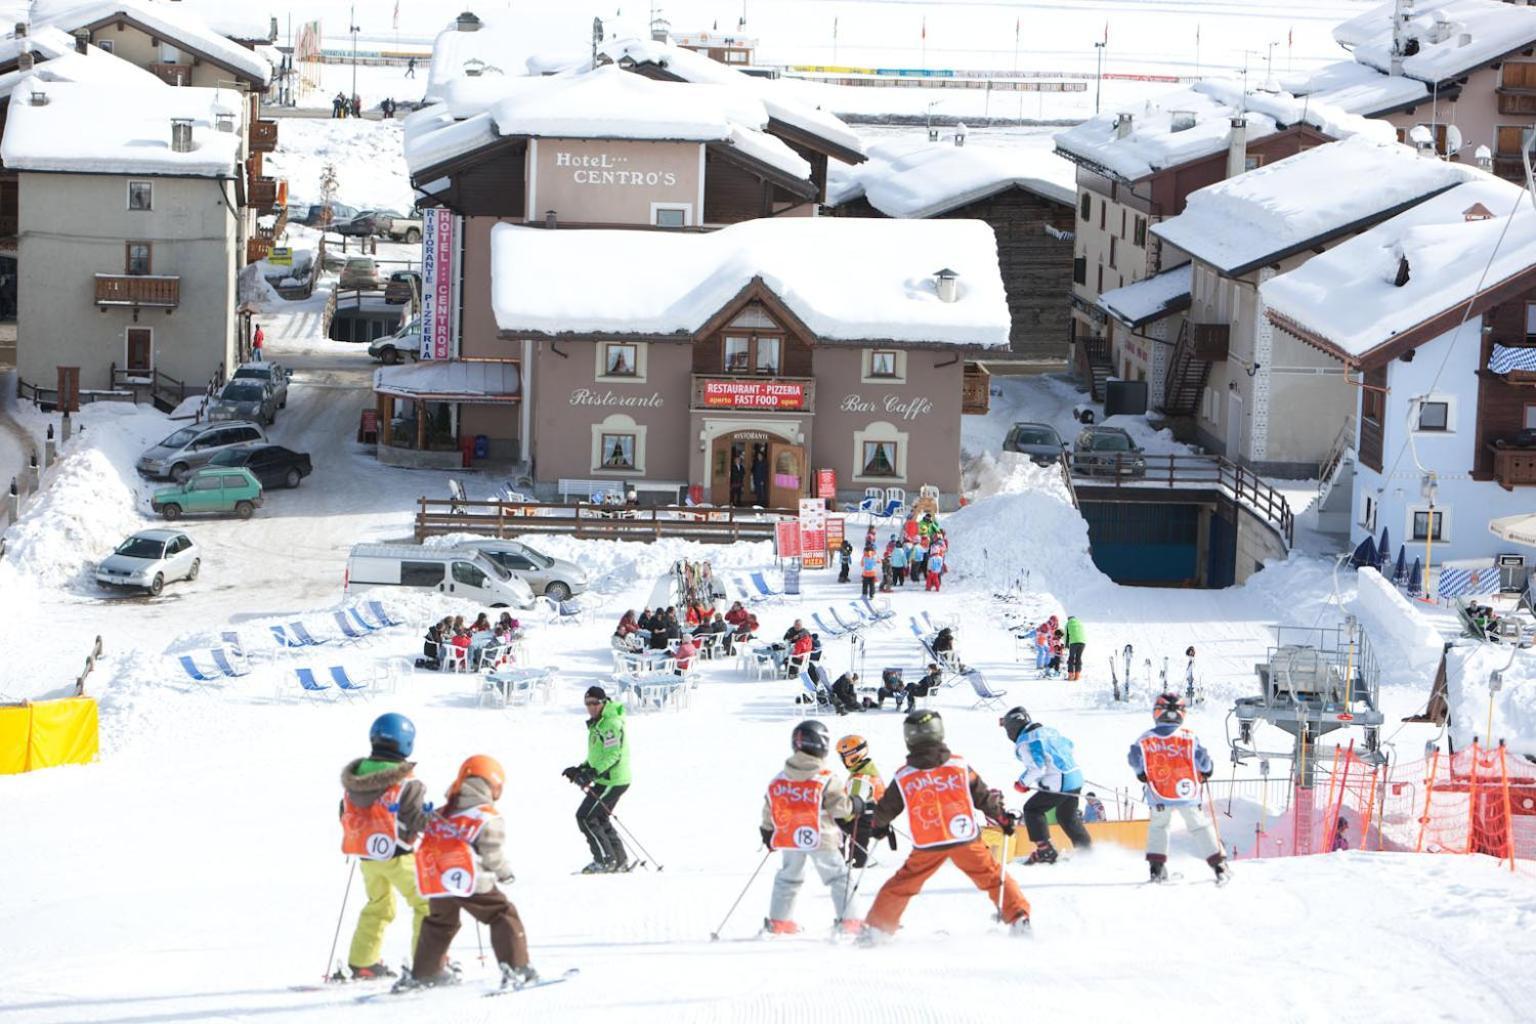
[1509, 167]
[172, 74]
[265, 194]
[154, 290]
[1513, 467]
[1521, 101]
[263, 136]
[975, 391]
[257, 249]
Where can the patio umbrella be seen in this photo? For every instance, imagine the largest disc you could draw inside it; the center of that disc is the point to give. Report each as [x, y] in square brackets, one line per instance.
[1416, 578]
[1383, 548]
[1519, 529]
[1364, 555]
[1401, 568]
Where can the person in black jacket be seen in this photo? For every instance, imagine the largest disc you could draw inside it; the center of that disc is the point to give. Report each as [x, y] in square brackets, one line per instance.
[845, 558]
[760, 478]
[432, 647]
[925, 686]
[845, 695]
[738, 477]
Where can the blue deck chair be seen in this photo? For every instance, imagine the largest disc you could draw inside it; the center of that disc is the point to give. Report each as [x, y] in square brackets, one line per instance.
[875, 613]
[893, 508]
[821, 697]
[227, 665]
[190, 667]
[305, 640]
[349, 628]
[761, 583]
[831, 631]
[362, 623]
[307, 680]
[934, 626]
[858, 623]
[231, 639]
[917, 630]
[986, 697]
[340, 678]
[377, 608]
[283, 639]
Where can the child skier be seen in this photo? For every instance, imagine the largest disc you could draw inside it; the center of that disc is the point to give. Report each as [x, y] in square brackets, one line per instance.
[865, 788]
[1173, 765]
[1043, 634]
[381, 815]
[1050, 768]
[941, 795]
[802, 813]
[869, 572]
[459, 867]
[933, 574]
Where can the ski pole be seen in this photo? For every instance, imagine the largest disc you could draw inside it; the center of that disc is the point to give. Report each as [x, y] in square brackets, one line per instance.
[480, 942]
[714, 936]
[587, 789]
[351, 870]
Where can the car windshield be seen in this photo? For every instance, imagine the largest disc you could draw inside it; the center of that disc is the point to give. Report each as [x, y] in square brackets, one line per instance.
[496, 567]
[540, 560]
[237, 392]
[141, 547]
[1110, 443]
[1034, 435]
[258, 372]
[182, 437]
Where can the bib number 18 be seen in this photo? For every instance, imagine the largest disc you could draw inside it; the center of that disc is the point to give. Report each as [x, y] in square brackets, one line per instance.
[807, 838]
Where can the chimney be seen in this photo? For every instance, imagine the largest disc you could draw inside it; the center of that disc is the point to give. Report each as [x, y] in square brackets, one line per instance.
[21, 30]
[1423, 140]
[82, 40]
[550, 220]
[1123, 125]
[181, 135]
[1237, 147]
[1484, 157]
[38, 98]
[1402, 272]
[945, 284]
[468, 22]
[25, 60]
[1402, 12]
[960, 132]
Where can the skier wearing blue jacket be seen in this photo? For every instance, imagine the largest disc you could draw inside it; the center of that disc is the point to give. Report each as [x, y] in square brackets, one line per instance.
[1050, 768]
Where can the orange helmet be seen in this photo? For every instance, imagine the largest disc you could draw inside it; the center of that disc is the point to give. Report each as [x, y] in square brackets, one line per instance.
[481, 766]
[852, 748]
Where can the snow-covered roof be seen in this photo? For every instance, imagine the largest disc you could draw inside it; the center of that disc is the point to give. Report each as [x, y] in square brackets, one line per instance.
[94, 67]
[600, 103]
[1452, 36]
[1271, 210]
[1192, 123]
[474, 381]
[1347, 296]
[659, 283]
[505, 40]
[1151, 298]
[774, 94]
[171, 21]
[1356, 88]
[912, 177]
[85, 128]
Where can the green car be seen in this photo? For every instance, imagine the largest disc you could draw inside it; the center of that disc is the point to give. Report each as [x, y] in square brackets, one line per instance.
[219, 489]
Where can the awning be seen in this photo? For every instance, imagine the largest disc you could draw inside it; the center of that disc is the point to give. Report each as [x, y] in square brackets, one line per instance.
[1519, 529]
[477, 382]
[1151, 298]
[1506, 358]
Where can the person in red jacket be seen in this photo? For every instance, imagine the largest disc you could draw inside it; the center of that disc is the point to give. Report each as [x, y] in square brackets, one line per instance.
[258, 341]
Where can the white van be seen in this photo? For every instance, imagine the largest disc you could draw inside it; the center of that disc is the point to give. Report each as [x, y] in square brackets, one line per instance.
[463, 574]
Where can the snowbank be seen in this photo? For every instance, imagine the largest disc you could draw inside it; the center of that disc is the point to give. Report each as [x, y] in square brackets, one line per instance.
[1394, 624]
[1468, 670]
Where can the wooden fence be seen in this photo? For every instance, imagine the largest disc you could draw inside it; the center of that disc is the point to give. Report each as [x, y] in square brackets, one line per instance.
[501, 519]
[1128, 470]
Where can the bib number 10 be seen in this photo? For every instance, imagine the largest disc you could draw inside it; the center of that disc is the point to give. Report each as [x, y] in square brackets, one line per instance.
[380, 846]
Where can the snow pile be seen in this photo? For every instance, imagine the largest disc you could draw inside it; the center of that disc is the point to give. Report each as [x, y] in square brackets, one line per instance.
[1252, 218]
[662, 283]
[504, 41]
[1469, 672]
[1448, 37]
[912, 177]
[1024, 523]
[1349, 296]
[353, 147]
[90, 501]
[1356, 88]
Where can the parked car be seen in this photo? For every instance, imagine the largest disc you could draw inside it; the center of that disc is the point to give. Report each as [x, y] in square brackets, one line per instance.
[402, 287]
[340, 214]
[1039, 441]
[360, 272]
[391, 348]
[465, 574]
[275, 375]
[244, 398]
[273, 465]
[149, 560]
[1107, 451]
[211, 490]
[383, 224]
[192, 447]
[553, 577]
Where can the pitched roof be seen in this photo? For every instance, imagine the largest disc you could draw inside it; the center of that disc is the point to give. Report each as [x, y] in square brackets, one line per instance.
[1450, 37]
[912, 177]
[62, 64]
[164, 20]
[1151, 298]
[1357, 88]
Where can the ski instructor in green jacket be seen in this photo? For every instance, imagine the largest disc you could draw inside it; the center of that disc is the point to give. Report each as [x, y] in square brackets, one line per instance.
[604, 777]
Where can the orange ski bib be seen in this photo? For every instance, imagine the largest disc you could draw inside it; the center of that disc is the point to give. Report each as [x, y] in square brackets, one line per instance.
[795, 806]
[371, 832]
[445, 860]
[939, 806]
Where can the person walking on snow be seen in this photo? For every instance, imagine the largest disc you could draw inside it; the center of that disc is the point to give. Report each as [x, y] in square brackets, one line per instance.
[410, 68]
[941, 795]
[1050, 768]
[604, 777]
[1173, 765]
[803, 813]
[865, 788]
[258, 341]
[933, 575]
[460, 866]
[1076, 640]
[382, 812]
[1043, 634]
[869, 572]
[845, 561]
[898, 558]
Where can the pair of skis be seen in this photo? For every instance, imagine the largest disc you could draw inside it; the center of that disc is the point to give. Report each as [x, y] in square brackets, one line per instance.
[1128, 652]
[1192, 693]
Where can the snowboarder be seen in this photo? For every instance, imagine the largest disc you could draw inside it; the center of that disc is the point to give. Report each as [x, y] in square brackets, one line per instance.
[803, 814]
[941, 795]
[865, 788]
[1170, 761]
[382, 813]
[1050, 768]
[604, 777]
[1076, 640]
[459, 866]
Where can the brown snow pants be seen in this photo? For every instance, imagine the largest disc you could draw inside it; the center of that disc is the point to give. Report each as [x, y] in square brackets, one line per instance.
[972, 858]
[492, 909]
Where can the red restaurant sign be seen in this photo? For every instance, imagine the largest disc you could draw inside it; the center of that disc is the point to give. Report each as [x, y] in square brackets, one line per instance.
[753, 394]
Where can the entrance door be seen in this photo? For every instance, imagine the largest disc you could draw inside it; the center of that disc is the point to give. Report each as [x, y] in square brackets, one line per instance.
[1234, 427]
[786, 475]
[140, 350]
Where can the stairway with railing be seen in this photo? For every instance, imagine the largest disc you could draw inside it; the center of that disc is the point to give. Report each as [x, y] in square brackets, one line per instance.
[1186, 377]
[1342, 451]
[1096, 364]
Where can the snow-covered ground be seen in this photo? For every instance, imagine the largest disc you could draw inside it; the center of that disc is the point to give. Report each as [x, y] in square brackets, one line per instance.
[370, 170]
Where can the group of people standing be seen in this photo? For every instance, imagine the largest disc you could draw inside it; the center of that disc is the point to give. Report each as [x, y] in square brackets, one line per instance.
[918, 552]
[1053, 640]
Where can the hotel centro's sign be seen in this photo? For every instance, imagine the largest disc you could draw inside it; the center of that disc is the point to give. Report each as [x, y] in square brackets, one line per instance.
[754, 394]
[609, 169]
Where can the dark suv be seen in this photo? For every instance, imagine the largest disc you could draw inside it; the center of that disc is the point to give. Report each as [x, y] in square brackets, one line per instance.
[1107, 451]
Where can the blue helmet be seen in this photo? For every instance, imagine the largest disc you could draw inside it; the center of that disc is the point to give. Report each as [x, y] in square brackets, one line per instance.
[393, 733]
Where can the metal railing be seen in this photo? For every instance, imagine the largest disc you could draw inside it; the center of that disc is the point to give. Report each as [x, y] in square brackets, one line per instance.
[436, 516]
[1141, 470]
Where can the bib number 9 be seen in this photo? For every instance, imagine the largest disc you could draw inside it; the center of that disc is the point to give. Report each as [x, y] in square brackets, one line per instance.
[962, 826]
[458, 882]
[807, 838]
[379, 846]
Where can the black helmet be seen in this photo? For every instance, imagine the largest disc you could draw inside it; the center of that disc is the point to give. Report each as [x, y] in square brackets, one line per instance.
[811, 737]
[923, 727]
[1169, 709]
[1015, 722]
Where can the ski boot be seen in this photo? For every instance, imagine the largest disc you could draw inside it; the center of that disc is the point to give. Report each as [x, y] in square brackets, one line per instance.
[1020, 928]
[1158, 867]
[377, 971]
[872, 936]
[775, 927]
[518, 977]
[409, 982]
[1044, 853]
[1219, 865]
[850, 926]
[597, 867]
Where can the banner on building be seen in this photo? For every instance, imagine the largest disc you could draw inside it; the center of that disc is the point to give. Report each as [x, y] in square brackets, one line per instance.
[813, 533]
[753, 394]
[786, 539]
[439, 285]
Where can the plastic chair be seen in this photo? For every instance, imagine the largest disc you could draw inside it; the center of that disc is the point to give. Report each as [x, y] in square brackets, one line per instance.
[763, 589]
[986, 696]
[297, 630]
[379, 614]
[820, 698]
[858, 623]
[283, 639]
[341, 679]
[878, 614]
[310, 684]
[190, 667]
[231, 639]
[349, 629]
[831, 631]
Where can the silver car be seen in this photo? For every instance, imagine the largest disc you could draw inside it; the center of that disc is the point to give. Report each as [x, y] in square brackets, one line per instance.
[244, 398]
[273, 374]
[553, 577]
[191, 447]
[149, 560]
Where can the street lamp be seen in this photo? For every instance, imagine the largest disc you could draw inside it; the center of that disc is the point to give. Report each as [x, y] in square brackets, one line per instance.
[352, 27]
[1098, 88]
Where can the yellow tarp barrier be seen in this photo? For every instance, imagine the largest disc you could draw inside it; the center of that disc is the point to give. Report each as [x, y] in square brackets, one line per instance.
[48, 733]
[1131, 834]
